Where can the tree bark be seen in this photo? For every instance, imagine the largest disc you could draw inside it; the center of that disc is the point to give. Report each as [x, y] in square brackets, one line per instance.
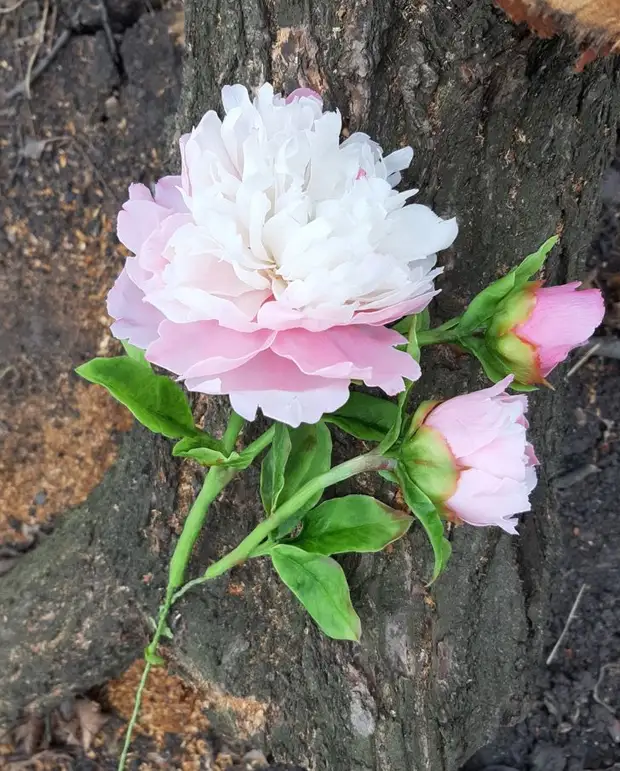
[510, 140]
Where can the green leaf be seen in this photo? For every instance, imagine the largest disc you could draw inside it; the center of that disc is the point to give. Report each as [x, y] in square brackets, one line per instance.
[204, 449]
[482, 307]
[534, 262]
[320, 584]
[413, 349]
[354, 523]
[135, 353]
[422, 319]
[364, 416]
[494, 368]
[310, 456]
[393, 434]
[156, 401]
[273, 467]
[389, 476]
[424, 510]
[166, 632]
[154, 659]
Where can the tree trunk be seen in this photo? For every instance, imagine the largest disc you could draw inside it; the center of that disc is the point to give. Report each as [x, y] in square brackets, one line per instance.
[510, 140]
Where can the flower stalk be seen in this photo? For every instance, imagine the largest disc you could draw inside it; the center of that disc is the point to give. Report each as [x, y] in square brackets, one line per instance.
[369, 462]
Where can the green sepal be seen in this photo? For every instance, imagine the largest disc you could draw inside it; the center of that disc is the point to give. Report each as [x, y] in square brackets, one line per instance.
[154, 659]
[354, 523]
[425, 511]
[430, 464]
[419, 416]
[156, 401]
[320, 584]
[520, 357]
[494, 367]
[135, 353]
[513, 310]
[365, 417]
[484, 304]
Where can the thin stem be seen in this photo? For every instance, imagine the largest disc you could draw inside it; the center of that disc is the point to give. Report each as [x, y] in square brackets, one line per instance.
[369, 462]
[438, 335]
[216, 480]
[258, 445]
[233, 429]
[134, 716]
[214, 483]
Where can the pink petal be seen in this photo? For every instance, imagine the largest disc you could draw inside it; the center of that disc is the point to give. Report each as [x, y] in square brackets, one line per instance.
[561, 319]
[300, 93]
[185, 182]
[137, 220]
[471, 421]
[548, 358]
[482, 499]
[204, 348]
[277, 315]
[395, 312]
[136, 320]
[356, 353]
[152, 252]
[184, 304]
[502, 457]
[168, 194]
[531, 455]
[278, 387]
[291, 408]
[139, 192]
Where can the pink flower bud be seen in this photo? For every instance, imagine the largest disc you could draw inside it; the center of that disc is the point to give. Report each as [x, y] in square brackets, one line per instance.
[472, 459]
[536, 328]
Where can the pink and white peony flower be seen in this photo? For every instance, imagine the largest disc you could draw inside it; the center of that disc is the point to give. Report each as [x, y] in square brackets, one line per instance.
[536, 327]
[470, 455]
[269, 268]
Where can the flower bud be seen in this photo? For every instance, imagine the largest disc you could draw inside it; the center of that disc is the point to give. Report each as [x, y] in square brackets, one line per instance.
[470, 456]
[535, 328]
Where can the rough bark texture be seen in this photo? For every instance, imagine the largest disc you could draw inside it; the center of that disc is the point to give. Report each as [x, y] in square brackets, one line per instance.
[508, 138]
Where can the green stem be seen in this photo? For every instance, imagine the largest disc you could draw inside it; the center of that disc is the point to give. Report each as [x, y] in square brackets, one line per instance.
[438, 335]
[134, 715]
[215, 481]
[369, 462]
[233, 429]
[263, 441]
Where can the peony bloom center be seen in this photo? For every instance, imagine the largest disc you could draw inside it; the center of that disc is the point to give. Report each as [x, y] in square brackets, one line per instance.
[269, 268]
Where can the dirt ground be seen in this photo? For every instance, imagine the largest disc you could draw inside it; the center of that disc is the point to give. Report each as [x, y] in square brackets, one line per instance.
[97, 119]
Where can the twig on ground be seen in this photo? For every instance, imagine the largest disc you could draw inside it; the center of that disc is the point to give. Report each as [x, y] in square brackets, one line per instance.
[569, 621]
[40, 39]
[575, 476]
[601, 676]
[12, 8]
[107, 28]
[60, 43]
[580, 362]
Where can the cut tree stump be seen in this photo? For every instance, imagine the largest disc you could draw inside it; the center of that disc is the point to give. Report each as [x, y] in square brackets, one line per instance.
[513, 142]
